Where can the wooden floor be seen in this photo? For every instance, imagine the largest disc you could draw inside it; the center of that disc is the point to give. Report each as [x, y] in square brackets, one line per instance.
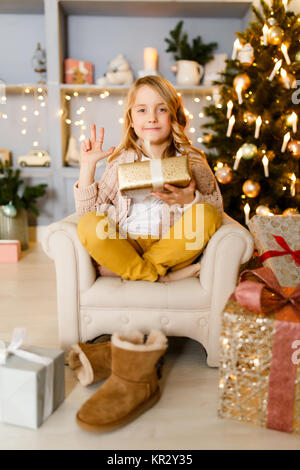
[184, 418]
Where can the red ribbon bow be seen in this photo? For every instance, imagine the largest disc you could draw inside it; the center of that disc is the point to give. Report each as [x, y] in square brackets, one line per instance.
[281, 242]
[251, 294]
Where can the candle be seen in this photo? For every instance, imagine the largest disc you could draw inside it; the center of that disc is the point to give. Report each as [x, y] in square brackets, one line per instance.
[265, 162]
[150, 58]
[292, 120]
[285, 53]
[230, 126]
[293, 185]
[275, 69]
[285, 4]
[236, 47]
[247, 212]
[285, 78]
[229, 109]
[237, 159]
[257, 126]
[286, 138]
[265, 33]
[239, 93]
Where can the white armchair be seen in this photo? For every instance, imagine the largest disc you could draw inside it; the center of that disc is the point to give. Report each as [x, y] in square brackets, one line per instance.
[89, 306]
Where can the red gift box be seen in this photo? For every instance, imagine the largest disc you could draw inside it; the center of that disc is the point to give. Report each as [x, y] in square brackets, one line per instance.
[79, 71]
[10, 251]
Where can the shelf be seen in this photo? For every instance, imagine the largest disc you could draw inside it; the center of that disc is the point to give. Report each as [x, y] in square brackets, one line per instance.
[160, 8]
[19, 87]
[124, 88]
[21, 7]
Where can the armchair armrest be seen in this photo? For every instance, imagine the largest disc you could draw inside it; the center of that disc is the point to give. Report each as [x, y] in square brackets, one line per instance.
[74, 273]
[231, 246]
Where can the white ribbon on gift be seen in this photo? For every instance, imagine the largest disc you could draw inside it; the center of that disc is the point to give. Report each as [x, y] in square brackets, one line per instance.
[18, 338]
[157, 177]
[80, 67]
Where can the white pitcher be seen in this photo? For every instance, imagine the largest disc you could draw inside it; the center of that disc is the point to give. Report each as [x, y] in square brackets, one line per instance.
[188, 72]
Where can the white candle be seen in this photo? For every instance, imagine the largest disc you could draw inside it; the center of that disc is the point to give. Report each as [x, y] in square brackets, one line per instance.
[229, 109]
[257, 127]
[293, 120]
[236, 47]
[237, 160]
[284, 51]
[239, 93]
[275, 69]
[285, 78]
[150, 58]
[265, 33]
[286, 138]
[230, 126]
[285, 4]
[247, 212]
[293, 185]
[265, 162]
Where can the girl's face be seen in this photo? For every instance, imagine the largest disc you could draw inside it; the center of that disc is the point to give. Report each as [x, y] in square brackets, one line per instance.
[150, 116]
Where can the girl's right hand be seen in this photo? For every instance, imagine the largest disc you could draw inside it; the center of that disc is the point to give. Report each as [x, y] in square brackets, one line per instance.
[91, 149]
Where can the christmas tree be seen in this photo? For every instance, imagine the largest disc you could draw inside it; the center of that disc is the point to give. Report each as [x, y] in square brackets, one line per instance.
[253, 135]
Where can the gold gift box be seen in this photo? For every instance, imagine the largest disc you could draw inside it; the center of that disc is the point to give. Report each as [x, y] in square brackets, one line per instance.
[246, 343]
[138, 176]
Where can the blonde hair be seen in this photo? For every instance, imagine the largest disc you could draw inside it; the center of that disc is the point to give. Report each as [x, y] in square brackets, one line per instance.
[178, 141]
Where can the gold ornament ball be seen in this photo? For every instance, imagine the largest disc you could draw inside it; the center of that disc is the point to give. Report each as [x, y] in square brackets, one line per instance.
[275, 35]
[251, 188]
[291, 211]
[249, 117]
[297, 57]
[294, 148]
[263, 210]
[242, 80]
[224, 174]
[248, 151]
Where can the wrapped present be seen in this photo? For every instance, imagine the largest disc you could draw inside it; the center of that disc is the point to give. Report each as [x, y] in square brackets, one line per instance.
[10, 251]
[146, 176]
[79, 71]
[32, 382]
[260, 353]
[277, 241]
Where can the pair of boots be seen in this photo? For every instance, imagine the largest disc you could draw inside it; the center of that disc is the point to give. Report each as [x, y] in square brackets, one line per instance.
[132, 386]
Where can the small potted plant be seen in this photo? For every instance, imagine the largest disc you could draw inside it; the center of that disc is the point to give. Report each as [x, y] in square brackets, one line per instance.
[190, 58]
[14, 206]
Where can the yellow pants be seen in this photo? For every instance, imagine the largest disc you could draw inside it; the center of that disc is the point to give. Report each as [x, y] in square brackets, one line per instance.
[143, 256]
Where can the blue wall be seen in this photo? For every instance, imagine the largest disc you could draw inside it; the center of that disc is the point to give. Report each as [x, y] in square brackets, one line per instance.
[98, 40]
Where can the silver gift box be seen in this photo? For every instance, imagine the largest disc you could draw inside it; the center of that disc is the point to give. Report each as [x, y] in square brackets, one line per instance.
[22, 387]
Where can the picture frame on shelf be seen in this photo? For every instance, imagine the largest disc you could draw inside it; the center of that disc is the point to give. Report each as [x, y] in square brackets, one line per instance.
[5, 156]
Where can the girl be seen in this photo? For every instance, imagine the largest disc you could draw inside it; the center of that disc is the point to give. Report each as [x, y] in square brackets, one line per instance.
[144, 238]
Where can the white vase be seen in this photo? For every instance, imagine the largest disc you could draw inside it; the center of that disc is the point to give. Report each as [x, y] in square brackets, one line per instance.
[188, 72]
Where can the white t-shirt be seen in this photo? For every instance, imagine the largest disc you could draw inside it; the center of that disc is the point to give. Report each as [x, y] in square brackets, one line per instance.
[145, 213]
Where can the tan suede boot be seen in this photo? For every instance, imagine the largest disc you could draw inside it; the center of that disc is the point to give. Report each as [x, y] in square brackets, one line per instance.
[132, 387]
[91, 362]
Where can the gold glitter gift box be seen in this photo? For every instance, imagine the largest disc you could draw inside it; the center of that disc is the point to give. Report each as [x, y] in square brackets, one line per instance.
[147, 176]
[278, 244]
[259, 375]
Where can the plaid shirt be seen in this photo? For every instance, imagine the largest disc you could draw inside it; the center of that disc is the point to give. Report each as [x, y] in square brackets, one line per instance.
[105, 197]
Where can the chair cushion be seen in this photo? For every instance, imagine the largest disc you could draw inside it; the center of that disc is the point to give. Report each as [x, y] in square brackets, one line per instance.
[119, 293]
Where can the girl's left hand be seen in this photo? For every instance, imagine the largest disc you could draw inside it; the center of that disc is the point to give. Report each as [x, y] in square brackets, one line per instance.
[177, 195]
